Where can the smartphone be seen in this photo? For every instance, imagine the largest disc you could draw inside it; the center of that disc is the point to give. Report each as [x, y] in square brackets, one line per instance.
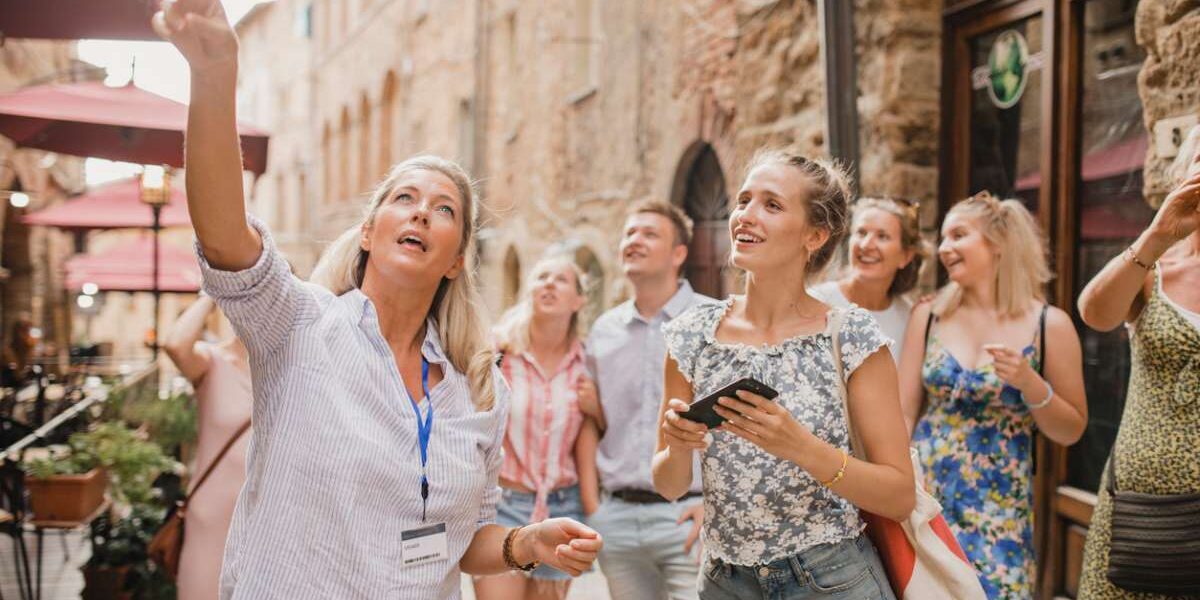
[701, 411]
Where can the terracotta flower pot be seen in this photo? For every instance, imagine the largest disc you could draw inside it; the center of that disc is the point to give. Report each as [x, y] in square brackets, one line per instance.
[69, 498]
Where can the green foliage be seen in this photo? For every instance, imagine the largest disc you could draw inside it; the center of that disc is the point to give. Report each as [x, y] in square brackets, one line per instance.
[171, 421]
[124, 543]
[132, 463]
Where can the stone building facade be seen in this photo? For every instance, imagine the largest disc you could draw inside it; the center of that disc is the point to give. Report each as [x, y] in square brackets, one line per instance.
[568, 111]
[30, 281]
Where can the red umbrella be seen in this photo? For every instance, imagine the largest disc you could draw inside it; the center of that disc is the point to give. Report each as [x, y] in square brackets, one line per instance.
[113, 206]
[77, 19]
[118, 123]
[128, 267]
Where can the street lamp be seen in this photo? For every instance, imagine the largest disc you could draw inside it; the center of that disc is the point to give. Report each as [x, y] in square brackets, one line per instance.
[155, 188]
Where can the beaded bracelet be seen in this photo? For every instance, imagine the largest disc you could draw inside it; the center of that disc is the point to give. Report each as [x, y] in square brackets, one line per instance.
[511, 562]
[1135, 260]
[1043, 403]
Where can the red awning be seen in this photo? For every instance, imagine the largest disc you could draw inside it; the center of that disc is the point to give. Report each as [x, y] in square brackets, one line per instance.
[1118, 159]
[117, 123]
[129, 267]
[78, 19]
[111, 206]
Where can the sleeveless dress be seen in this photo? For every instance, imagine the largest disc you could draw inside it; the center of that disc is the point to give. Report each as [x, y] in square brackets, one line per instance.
[1158, 442]
[975, 442]
[223, 400]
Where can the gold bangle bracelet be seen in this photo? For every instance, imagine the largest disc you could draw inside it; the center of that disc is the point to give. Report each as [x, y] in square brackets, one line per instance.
[841, 471]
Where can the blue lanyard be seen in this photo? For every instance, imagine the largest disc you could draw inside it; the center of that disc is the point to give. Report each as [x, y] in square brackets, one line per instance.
[424, 430]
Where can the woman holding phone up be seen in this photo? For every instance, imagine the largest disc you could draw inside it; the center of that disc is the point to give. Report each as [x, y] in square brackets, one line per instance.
[378, 413]
[781, 489]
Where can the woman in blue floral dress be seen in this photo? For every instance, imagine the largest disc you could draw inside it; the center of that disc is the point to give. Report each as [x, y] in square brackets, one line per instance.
[976, 389]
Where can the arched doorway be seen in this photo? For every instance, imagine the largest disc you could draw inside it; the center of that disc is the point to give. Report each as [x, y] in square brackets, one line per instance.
[700, 189]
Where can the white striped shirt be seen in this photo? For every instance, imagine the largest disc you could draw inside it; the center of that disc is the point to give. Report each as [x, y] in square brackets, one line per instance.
[543, 424]
[334, 468]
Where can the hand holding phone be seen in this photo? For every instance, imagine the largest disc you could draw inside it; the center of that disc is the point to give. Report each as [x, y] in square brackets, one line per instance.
[701, 411]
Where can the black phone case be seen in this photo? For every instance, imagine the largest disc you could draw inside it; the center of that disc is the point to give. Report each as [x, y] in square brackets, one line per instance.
[701, 411]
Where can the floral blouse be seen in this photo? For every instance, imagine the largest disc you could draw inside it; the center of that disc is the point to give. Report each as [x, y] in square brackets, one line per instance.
[759, 508]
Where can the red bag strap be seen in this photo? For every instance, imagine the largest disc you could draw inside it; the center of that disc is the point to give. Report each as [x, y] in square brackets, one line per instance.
[212, 465]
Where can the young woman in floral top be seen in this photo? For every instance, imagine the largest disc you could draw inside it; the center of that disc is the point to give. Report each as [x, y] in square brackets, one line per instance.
[972, 382]
[781, 489]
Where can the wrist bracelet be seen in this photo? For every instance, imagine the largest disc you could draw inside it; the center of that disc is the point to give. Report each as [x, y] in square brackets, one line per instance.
[1043, 403]
[841, 471]
[511, 562]
[1129, 253]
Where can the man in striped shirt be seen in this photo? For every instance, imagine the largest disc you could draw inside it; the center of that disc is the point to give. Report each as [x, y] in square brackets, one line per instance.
[649, 541]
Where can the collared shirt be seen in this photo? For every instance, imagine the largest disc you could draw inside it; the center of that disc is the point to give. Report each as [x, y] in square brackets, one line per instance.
[543, 423]
[334, 470]
[626, 353]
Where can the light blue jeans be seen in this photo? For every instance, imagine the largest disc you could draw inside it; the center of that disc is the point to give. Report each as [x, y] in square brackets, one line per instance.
[643, 556]
[848, 570]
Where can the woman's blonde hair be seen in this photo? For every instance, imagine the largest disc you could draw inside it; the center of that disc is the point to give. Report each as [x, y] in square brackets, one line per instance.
[512, 331]
[1021, 269]
[910, 239]
[827, 204]
[457, 307]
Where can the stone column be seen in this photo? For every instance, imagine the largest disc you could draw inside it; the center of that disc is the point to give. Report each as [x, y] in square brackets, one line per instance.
[1169, 82]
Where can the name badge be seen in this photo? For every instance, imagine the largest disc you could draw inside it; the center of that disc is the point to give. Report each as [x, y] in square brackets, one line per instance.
[424, 545]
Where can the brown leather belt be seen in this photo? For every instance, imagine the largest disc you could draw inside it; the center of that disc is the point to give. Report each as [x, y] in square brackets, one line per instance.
[633, 496]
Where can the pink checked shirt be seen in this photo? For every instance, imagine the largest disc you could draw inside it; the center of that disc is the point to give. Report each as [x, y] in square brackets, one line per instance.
[543, 422]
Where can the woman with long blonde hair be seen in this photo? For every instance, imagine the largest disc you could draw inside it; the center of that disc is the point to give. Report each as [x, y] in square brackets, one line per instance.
[550, 446]
[976, 385]
[378, 419]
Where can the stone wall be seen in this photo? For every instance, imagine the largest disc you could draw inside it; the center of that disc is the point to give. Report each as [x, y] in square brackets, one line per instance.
[1169, 83]
[781, 79]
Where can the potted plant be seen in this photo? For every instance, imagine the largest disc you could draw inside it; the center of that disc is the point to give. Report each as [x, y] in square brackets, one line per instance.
[119, 567]
[71, 487]
[68, 488]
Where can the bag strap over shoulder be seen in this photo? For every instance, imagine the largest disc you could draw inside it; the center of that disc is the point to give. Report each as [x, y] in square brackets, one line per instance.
[213, 465]
[837, 318]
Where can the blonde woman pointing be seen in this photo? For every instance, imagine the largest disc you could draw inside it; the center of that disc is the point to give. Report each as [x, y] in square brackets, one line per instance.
[378, 421]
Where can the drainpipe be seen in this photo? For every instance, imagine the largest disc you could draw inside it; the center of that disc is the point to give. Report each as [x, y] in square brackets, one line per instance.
[836, 20]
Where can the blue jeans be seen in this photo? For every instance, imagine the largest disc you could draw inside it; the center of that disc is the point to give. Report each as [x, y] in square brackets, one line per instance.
[848, 570]
[516, 508]
[643, 557]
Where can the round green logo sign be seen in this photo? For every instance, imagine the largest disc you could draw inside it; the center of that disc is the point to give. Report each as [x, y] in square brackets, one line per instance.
[1008, 68]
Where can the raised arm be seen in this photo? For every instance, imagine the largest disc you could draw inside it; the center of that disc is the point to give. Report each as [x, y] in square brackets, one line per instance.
[1118, 292]
[216, 203]
[181, 343]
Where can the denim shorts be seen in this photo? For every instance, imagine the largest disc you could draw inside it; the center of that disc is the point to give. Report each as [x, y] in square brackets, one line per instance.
[515, 509]
[849, 570]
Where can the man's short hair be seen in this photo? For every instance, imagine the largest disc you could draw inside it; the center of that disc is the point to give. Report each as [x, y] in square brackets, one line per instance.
[679, 220]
